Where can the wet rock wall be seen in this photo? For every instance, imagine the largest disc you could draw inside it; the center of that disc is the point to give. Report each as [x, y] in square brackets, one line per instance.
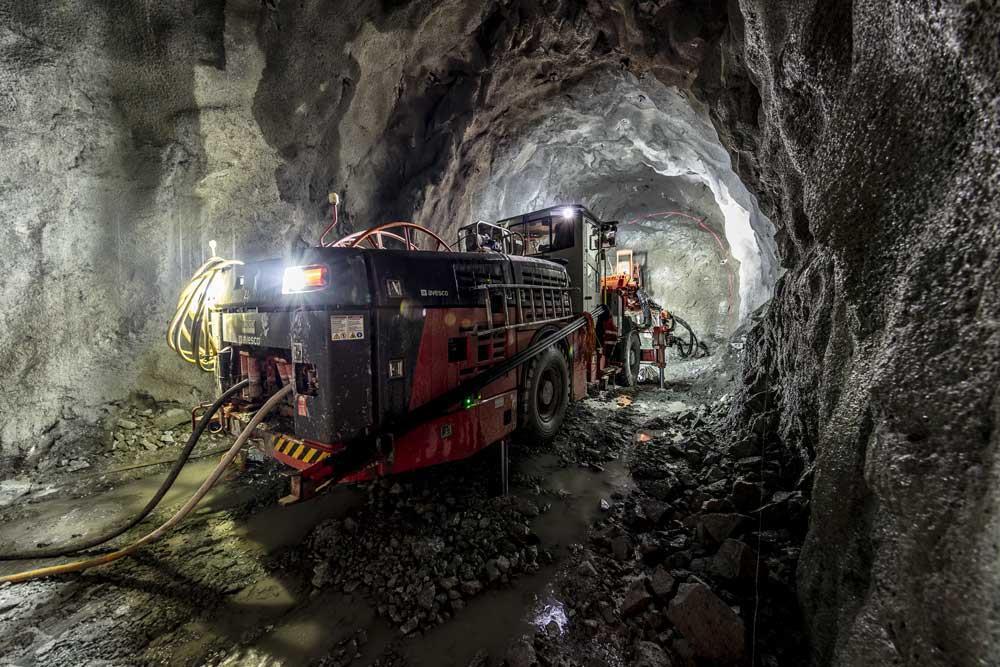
[874, 151]
[128, 142]
[133, 133]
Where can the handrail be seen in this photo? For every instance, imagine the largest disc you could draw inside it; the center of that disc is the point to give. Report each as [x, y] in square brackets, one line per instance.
[523, 286]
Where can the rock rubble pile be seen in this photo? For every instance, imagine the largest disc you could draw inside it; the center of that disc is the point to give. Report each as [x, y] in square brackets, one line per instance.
[426, 543]
[682, 568]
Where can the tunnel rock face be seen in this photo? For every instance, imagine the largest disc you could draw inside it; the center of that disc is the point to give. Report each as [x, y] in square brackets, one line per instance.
[607, 129]
[128, 143]
[133, 133]
[688, 273]
[879, 358]
[158, 128]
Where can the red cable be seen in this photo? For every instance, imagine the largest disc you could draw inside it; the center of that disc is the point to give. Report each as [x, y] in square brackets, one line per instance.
[702, 225]
[333, 223]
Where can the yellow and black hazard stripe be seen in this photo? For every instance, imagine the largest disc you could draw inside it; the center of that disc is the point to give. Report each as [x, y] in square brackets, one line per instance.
[298, 450]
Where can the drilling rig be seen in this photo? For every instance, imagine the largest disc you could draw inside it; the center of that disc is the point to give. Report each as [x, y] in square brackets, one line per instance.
[399, 351]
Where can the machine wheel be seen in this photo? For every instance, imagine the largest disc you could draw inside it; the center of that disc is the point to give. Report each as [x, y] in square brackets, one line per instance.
[545, 395]
[628, 376]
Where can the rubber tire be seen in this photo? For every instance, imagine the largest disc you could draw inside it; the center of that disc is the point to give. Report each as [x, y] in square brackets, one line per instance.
[628, 376]
[541, 420]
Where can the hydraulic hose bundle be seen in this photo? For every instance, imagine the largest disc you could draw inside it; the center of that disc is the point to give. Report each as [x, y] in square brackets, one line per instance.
[691, 348]
[694, 348]
[189, 333]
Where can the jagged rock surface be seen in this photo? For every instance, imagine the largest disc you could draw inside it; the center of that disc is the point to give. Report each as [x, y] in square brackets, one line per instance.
[868, 130]
[875, 152]
[164, 128]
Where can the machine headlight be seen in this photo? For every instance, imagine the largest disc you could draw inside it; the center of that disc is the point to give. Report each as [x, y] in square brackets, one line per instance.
[304, 279]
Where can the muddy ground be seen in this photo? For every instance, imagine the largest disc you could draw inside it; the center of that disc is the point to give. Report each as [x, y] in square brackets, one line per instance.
[634, 538]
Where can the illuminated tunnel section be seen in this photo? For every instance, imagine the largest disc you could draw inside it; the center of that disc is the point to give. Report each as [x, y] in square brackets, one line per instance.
[641, 153]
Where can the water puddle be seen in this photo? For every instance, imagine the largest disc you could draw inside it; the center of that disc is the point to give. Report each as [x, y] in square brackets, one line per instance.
[280, 526]
[281, 619]
[60, 519]
[491, 621]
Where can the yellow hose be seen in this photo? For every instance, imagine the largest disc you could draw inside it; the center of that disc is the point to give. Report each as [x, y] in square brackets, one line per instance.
[209, 482]
[193, 315]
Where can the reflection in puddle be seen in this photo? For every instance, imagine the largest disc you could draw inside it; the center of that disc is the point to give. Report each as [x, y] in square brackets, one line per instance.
[548, 611]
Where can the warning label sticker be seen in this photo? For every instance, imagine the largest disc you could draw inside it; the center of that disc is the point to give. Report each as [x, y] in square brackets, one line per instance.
[347, 327]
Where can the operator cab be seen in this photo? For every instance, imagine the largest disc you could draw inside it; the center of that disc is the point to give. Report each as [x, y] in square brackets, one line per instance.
[571, 236]
[483, 236]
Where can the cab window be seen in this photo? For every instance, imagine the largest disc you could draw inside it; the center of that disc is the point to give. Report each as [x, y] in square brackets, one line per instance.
[537, 235]
[562, 233]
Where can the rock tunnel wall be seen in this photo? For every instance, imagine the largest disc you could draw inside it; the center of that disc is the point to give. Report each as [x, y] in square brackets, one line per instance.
[604, 128]
[128, 142]
[867, 130]
[875, 151]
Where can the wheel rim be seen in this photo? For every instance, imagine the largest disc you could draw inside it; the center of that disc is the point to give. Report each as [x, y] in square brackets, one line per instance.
[549, 396]
[548, 391]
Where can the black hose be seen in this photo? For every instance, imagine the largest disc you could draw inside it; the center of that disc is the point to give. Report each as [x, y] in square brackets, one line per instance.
[67, 549]
[695, 348]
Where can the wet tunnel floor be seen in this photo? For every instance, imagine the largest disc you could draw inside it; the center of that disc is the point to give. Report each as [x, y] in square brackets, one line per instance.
[249, 582]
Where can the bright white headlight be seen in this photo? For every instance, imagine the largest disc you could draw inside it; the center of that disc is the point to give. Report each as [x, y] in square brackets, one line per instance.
[304, 279]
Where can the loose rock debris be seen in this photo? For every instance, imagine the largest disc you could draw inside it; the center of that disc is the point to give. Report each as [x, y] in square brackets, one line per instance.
[678, 568]
[419, 556]
[687, 539]
[673, 569]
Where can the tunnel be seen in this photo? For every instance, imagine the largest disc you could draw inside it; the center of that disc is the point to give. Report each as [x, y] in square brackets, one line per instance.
[440, 457]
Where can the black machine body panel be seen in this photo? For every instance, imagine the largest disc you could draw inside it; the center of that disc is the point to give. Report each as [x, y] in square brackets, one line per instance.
[322, 339]
[412, 291]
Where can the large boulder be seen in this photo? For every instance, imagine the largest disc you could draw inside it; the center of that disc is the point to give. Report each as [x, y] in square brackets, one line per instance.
[714, 631]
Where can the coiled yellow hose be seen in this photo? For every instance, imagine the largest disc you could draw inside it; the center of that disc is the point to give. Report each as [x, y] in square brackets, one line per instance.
[190, 332]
